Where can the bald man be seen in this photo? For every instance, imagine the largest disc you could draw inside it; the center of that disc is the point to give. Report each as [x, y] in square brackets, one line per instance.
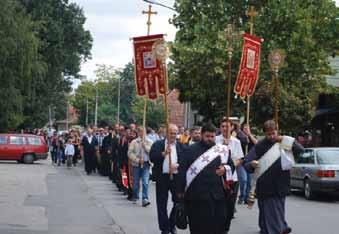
[159, 154]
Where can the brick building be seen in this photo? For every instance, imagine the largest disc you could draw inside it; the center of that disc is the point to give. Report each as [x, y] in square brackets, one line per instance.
[180, 113]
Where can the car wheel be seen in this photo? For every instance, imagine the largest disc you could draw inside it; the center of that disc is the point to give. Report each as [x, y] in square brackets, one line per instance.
[308, 191]
[28, 159]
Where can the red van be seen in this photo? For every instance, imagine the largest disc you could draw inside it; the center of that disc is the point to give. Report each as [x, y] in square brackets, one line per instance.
[22, 147]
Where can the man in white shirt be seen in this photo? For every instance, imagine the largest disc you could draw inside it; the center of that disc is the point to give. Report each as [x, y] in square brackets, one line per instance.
[165, 173]
[226, 138]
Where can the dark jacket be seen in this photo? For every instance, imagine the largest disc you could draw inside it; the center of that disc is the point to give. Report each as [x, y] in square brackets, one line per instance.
[110, 146]
[122, 152]
[157, 158]
[207, 185]
[274, 182]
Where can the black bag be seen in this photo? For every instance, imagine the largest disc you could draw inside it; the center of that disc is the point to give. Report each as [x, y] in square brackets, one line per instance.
[180, 215]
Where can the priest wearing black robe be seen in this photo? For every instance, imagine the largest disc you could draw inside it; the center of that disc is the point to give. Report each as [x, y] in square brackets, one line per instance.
[205, 196]
[89, 151]
[272, 181]
[108, 152]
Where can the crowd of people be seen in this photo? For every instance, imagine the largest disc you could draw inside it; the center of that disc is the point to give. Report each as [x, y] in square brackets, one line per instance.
[205, 168]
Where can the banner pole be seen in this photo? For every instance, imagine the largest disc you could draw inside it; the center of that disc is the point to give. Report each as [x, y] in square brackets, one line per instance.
[149, 23]
[252, 13]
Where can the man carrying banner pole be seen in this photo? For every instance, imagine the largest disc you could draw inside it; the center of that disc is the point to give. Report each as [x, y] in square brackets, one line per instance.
[203, 182]
[270, 160]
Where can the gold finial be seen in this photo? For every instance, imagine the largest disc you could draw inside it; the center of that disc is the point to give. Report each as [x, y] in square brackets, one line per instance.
[149, 14]
[251, 13]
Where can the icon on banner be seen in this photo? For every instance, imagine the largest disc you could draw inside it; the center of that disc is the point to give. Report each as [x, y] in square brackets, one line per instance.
[149, 60]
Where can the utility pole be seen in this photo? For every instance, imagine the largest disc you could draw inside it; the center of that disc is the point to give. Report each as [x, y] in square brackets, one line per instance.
[67, 115]
[118, 117]
[50, 115]
[86, 112]
[96, 107]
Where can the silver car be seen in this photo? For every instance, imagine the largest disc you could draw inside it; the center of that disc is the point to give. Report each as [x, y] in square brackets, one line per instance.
[316, 170]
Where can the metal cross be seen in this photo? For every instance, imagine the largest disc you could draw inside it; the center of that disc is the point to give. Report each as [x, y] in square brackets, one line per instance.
[252, 13]
[149, 14]
[231, 35]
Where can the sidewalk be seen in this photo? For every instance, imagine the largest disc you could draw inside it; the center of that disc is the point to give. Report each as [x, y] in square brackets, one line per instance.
[135, 219]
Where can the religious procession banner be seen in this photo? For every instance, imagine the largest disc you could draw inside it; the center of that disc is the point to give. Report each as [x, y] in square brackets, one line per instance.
[149, 72]
[248, 74]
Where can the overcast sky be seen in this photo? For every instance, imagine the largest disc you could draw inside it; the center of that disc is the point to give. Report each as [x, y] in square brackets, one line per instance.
[113, 22]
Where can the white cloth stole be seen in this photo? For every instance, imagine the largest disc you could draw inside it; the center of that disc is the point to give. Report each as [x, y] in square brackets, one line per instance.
[272, 155]
[206, 158]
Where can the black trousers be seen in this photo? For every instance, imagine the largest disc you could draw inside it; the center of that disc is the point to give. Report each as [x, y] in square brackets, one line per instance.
[230, 205]
[206, 216]
[90, 162]
[162, 187]
[105, 164]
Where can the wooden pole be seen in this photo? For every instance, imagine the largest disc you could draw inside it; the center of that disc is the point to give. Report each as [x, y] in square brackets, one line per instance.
[167, 120]
[276, 99]
[252, 13]
[229, 81]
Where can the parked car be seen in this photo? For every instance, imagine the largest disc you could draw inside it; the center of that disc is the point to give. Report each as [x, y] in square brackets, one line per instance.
[23, 147]
[316, 170]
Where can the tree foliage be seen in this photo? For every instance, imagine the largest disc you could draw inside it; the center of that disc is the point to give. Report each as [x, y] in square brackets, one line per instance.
[107, 84]
[42, 46]
[19, 61]
[307, 30]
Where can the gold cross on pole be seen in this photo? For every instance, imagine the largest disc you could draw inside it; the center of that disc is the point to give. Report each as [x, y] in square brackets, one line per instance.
[251, 13]
[149, 14]
[231, 35]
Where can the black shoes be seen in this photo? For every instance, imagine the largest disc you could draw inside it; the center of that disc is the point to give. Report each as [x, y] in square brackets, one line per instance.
[173, 231]
[287, 230]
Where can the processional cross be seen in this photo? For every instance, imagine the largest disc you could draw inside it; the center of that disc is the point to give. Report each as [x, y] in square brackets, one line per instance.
[231, 35]
[251, 13]
[149, 14]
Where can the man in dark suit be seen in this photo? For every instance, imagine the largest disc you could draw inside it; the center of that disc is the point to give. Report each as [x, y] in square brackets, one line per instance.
[204, 173]
[165, 174]
[89, 151]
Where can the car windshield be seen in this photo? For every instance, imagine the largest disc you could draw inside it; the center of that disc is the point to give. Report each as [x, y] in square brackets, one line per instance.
[328, 157]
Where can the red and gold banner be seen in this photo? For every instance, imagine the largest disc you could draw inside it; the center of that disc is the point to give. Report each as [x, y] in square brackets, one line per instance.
[149, 73]
[249, 66]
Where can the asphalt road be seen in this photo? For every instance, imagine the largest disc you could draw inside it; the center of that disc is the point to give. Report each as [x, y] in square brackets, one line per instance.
[46, 199]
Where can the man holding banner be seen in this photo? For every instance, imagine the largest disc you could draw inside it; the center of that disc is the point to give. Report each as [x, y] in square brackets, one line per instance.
[270, 160]
[204, 174]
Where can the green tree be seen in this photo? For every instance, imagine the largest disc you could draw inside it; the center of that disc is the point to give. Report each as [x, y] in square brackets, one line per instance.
[64, 45]
[107, 84]
[306, 29]
[155, 115]
[19, 60]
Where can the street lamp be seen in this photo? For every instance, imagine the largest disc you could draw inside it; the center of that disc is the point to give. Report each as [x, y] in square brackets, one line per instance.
[159, 4]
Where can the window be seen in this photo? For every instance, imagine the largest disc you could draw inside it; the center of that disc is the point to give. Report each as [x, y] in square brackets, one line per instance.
[16, 140]
[34, 141]
[306, 158]
[330, 157]
[3, 140]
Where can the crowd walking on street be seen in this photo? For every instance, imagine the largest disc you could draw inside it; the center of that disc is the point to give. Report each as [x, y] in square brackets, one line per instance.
[206, 171]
